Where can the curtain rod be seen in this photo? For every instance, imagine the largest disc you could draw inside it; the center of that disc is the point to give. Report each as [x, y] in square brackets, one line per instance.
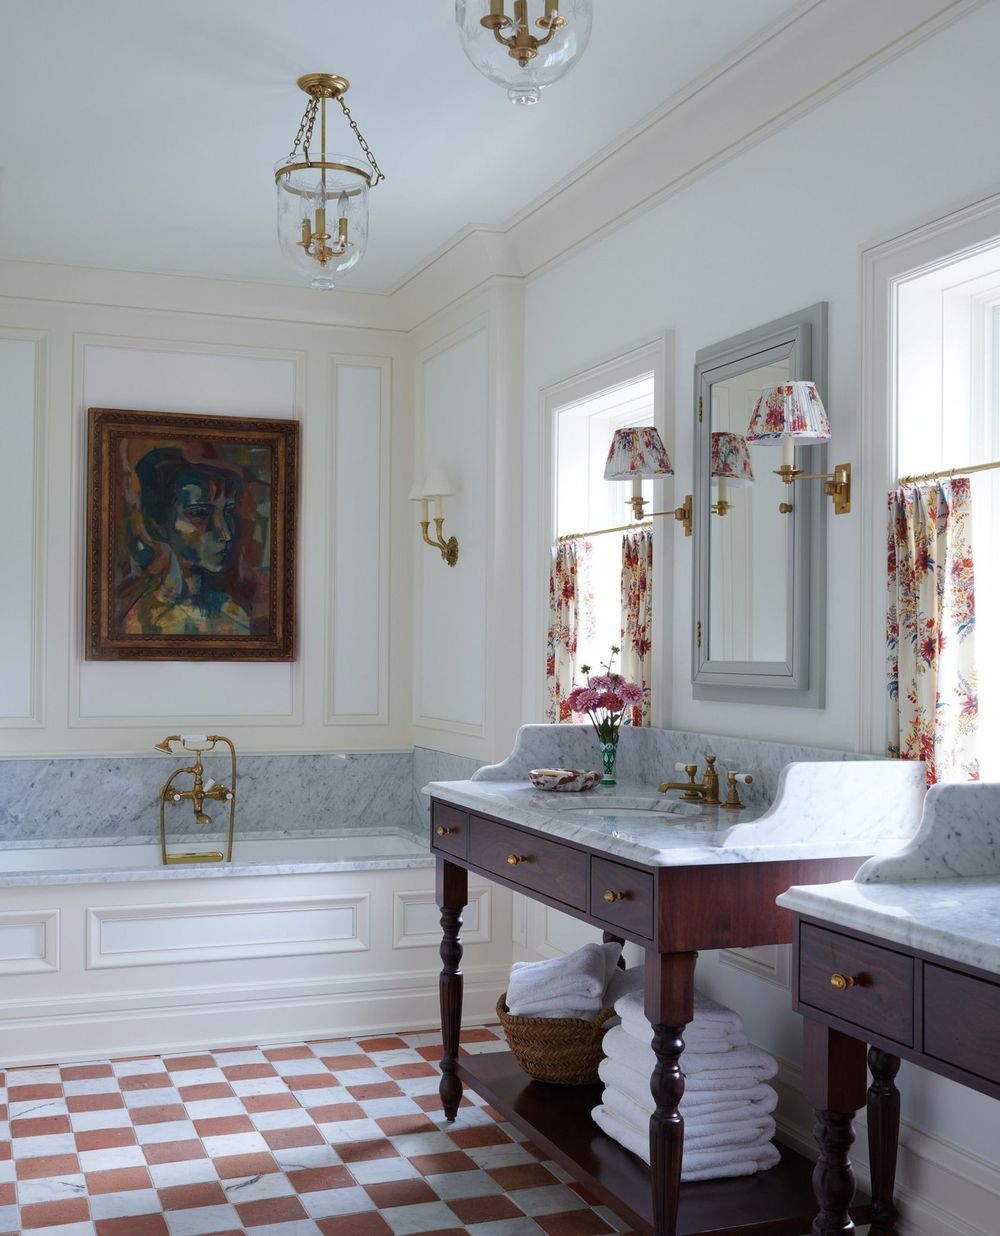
[949, 472]
[582, 536]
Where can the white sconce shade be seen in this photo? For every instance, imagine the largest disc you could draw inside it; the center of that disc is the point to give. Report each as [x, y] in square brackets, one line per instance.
[438, 484]
[731, 459]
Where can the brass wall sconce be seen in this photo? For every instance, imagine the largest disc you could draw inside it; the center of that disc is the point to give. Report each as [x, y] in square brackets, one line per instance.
[730, 468]
[793, 412]
[202, 790]
[436, 486]
[637, 453]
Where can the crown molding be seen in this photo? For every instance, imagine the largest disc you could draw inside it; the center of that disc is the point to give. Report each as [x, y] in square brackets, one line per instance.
[818, 50]
[130, 289]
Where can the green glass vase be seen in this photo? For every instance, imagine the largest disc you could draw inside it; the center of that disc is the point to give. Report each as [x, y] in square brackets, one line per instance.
[609, 753]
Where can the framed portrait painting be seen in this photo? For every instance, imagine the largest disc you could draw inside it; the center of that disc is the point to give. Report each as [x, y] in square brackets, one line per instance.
[191, 537]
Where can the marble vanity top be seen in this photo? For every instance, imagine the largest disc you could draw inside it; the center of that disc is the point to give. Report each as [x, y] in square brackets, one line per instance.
[940, 893]
[820, 809]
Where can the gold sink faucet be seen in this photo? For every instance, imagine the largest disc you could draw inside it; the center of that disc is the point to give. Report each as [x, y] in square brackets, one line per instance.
[203, 789]
[707, 792]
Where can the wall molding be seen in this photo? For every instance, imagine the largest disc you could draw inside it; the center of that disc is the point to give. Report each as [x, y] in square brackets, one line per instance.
[35, 716]
[261, 1011]
[110, 930]
[409, 934]
[771, 963]
[42, 960]
[384, 498]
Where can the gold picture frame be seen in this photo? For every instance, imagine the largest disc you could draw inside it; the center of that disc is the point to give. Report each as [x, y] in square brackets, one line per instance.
[191, 537]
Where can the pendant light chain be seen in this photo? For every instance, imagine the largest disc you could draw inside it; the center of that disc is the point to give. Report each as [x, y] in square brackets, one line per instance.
[304, 135]
[379, 174]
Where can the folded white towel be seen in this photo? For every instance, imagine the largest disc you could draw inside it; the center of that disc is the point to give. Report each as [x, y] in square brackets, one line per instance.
[578, 977]
[711, 1020]
[558, 1008]
[713, 1164]
[620, 1045]
[727, 1104]
[717, 1129]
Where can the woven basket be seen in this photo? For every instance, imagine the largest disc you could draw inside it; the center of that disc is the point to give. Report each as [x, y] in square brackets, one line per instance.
[564, 1050]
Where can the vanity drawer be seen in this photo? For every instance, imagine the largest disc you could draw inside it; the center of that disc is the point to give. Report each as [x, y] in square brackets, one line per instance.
[544, 866]
[879, 999]
[622, 896]
[962, 1021]
[450, 830]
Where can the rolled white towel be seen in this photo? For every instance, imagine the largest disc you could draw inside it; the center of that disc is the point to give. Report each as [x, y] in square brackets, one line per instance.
[582, 975]
[728, 1103]
[713, 1164]
[711, 1020]
[620, 1045]
[715, 1128]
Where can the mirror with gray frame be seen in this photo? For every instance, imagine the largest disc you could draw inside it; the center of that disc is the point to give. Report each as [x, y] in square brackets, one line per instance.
[759, 545]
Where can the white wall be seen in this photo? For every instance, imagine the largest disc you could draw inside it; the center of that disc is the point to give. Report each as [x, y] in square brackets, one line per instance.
[778, 228]
[349, 388]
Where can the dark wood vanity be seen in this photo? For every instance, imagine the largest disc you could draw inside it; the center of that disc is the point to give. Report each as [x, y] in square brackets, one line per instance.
[873, 1002]
[672, 912]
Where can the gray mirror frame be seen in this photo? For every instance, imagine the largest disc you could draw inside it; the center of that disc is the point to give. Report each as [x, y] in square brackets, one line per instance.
[801, 681]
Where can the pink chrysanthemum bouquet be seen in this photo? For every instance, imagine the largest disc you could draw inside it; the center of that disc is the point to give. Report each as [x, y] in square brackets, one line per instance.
[606, 699]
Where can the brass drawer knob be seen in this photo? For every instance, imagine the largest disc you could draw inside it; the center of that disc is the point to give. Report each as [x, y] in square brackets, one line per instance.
[444, 832]
[842, 981]
[612, 895]
[514, 859]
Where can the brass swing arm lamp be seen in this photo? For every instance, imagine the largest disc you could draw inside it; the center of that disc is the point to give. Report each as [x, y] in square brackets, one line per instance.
[837, 484]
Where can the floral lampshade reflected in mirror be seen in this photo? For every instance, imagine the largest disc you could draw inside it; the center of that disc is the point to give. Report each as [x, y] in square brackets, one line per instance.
[730, 467]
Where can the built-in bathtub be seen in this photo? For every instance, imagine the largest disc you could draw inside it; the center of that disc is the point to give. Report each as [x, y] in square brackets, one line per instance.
[104, 951]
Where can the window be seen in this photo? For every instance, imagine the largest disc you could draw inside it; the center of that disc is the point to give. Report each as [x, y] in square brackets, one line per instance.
[586, 501]
[947, 345]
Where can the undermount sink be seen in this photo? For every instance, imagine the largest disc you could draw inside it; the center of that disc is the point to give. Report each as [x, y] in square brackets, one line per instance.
[670, 811]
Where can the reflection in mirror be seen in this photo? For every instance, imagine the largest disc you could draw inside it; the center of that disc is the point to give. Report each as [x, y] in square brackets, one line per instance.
[750, 531]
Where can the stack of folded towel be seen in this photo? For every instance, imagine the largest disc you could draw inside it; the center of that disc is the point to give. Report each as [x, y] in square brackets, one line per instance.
[572, 986]
[727, 1104]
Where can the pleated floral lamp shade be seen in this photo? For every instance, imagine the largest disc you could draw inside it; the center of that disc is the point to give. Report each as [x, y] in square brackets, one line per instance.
[730, 466]
[789, 413]
[637, 454]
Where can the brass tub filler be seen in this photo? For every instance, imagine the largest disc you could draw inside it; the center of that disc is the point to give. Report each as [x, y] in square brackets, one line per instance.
[203, 790]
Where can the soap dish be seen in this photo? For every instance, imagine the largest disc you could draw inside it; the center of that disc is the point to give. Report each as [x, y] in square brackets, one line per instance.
[563, 779]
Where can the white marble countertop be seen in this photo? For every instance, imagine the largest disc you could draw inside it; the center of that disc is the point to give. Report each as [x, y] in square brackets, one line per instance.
[957, 919]
[805, 821]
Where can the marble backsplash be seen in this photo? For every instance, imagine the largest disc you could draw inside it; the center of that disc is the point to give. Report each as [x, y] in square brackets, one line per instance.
[648, 756]
[112, 801]
[430, 766]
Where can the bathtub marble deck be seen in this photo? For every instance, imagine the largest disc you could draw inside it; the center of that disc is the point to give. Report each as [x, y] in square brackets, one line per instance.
[340, 1138]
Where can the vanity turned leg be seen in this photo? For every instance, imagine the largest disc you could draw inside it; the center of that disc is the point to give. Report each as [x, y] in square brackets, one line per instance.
[834, 1082]
[452, 896]
[883, 1139]
[669, 1007]
[609, 937]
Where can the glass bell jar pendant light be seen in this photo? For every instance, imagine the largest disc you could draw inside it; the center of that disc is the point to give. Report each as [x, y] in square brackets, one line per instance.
[524, 45]
[323, 197]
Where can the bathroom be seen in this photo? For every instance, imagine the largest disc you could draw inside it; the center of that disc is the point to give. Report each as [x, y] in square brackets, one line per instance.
[452, 346]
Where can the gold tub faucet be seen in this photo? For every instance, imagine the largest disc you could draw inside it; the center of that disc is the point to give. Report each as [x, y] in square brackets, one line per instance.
[203, 789]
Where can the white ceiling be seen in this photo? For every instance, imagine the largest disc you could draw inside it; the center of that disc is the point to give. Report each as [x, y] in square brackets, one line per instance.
[141, 134]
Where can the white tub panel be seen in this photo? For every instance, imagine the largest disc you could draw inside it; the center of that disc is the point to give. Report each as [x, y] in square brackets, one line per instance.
[29, 942]
[142, 935]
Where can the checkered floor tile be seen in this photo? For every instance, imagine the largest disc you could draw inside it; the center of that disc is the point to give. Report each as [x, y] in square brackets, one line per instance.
[339, 1138]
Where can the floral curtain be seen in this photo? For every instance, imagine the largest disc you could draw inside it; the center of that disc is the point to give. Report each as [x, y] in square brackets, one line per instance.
[571, 614]
[930, 629]
[637, 616]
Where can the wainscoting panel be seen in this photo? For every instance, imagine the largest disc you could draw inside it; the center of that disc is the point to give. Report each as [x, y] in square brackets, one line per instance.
[29, 941]
[416, 919]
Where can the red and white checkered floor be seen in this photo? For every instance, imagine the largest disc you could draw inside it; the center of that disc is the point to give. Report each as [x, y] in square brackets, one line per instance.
[343, 1138]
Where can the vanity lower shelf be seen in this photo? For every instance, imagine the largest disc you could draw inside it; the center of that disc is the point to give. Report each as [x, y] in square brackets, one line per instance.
[779, 1202]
